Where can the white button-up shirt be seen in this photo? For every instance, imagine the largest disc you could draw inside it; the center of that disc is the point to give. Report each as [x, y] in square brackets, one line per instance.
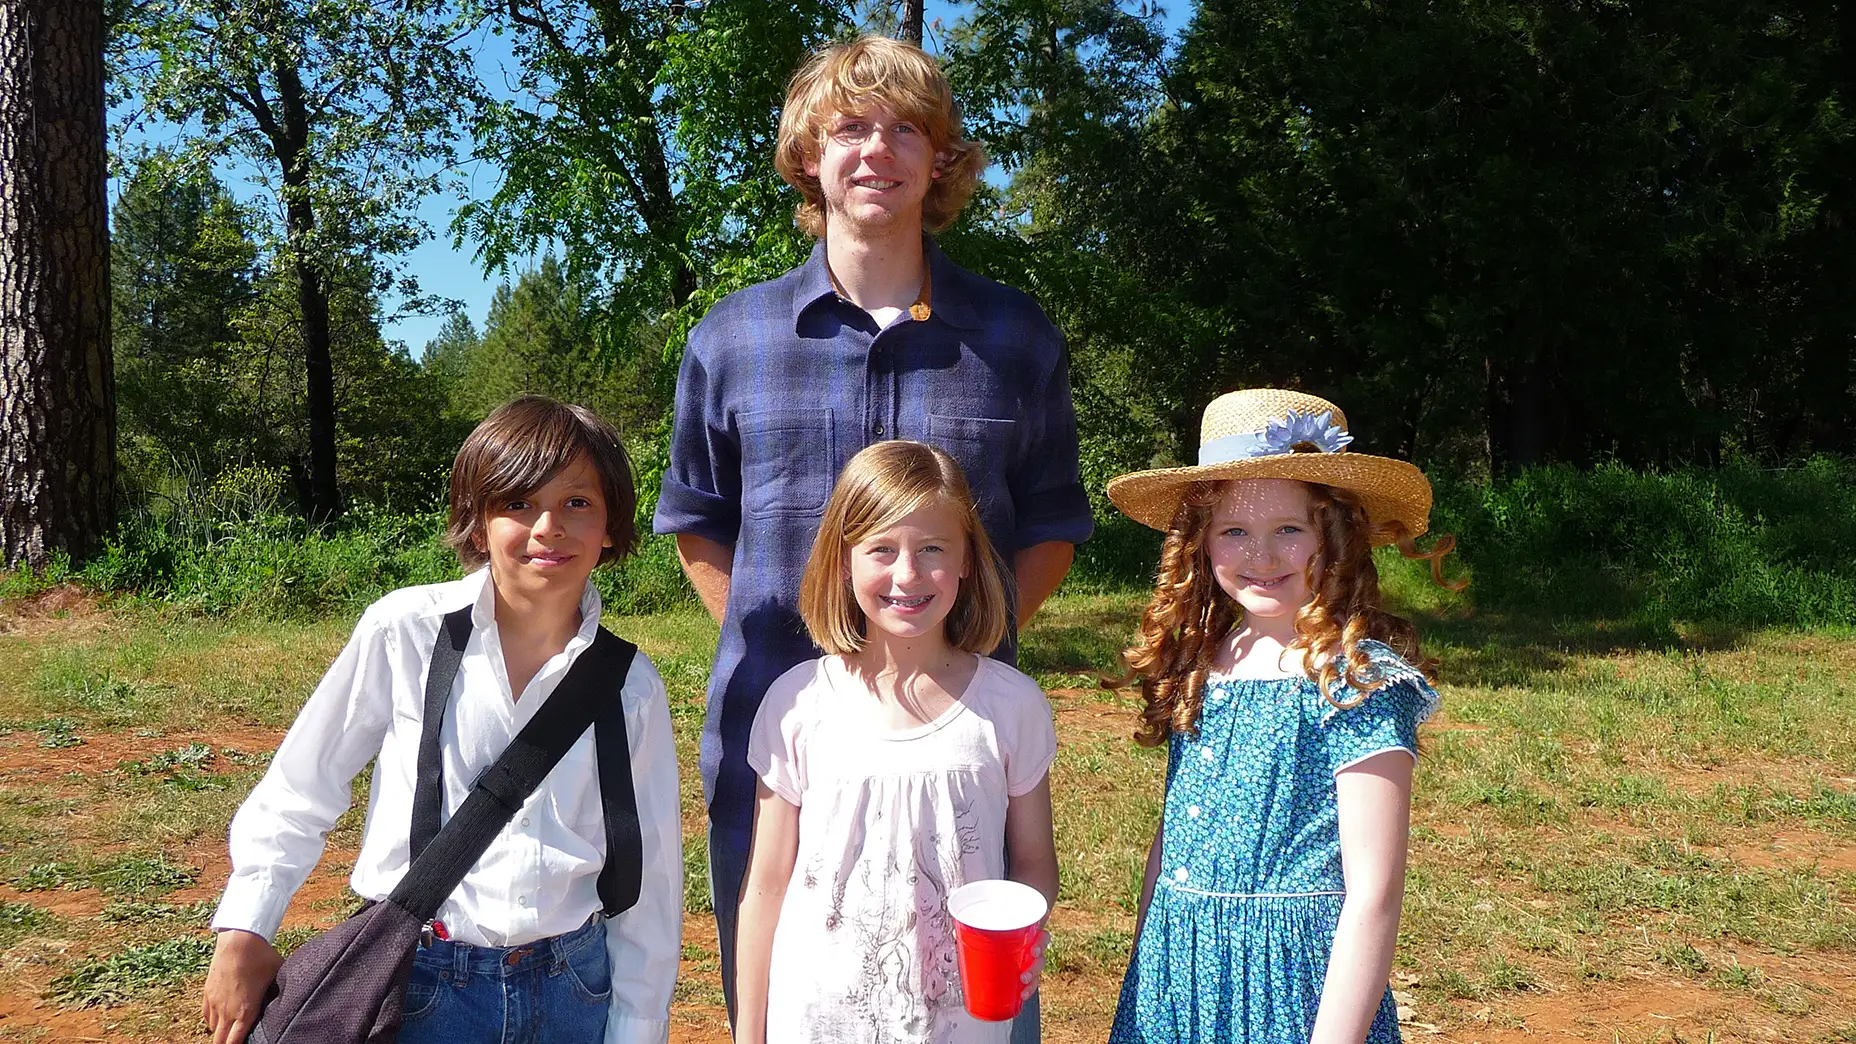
[540, 876]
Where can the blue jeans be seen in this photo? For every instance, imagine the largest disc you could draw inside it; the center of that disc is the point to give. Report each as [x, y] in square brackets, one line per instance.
[554, 991]
[728, 865]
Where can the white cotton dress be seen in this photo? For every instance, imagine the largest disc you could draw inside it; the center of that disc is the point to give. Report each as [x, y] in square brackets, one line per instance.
[889, 823]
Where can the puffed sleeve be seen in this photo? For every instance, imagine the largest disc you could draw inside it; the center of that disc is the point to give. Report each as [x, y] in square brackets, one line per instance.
[279, 832]
[1388, 717]
[701, 489]
[1031, 744]
[645, 942]
[776, 744]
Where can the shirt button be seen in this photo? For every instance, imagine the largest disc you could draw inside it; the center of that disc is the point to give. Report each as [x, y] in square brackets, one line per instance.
[1192, 811]
[1180, 874]
[525, 821]
[1206, 753]
[879, 429]
[522, 901]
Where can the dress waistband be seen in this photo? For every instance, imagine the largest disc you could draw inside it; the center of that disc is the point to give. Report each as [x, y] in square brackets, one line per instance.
[1250, 895]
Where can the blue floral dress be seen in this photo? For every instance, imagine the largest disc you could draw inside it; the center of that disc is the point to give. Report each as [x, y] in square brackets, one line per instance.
[1236, 942]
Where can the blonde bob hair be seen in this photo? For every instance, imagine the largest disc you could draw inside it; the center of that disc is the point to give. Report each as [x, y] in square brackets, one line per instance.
[853, 76]
[880, 486]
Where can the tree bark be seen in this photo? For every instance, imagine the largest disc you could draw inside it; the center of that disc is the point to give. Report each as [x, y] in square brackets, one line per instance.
[57, 383]
[290, 140]
[911, 22]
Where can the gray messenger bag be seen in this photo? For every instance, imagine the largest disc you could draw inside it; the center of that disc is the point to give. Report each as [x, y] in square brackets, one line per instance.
[348, 985]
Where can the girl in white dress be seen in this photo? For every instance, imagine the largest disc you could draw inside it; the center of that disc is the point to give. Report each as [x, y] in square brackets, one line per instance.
[897, 767]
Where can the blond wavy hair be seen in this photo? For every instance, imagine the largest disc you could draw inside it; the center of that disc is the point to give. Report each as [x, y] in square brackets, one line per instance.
[1189, 615]
[853, 76]
[880, 485]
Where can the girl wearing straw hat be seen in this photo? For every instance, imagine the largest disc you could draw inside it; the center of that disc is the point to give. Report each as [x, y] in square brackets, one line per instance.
[1289, 702]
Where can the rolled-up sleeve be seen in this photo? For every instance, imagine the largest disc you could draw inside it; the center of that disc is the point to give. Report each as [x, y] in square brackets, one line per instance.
[1047, 489]
[646, 941]
[701, 490]
[281, 829]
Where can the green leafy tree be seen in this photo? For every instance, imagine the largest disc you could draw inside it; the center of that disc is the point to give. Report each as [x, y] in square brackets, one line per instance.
[639, 140]
[182, 261]
[538, 340]
[345, 109]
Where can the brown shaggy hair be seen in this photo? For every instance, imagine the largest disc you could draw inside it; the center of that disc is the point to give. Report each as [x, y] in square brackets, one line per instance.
[850, 77]
[880, 485]
[1189, 615]
[517, 450]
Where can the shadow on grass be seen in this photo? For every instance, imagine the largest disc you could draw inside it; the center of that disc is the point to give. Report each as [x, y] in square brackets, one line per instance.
[1084, 635]
[1507, 649]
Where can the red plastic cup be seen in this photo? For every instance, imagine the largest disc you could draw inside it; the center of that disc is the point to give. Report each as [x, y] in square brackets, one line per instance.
[996, 927]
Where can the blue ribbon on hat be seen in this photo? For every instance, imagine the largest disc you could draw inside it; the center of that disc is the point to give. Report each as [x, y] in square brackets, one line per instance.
[1279, 436]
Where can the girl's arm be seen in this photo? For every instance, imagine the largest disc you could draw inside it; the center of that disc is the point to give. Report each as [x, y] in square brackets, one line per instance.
[645, 942]
[1148, 879]
[1030, 842]
[770, 869]
[1031, 853]
[1375, 826]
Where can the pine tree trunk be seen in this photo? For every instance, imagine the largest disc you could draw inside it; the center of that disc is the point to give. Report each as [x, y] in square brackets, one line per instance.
[911, 22]
[57, 386]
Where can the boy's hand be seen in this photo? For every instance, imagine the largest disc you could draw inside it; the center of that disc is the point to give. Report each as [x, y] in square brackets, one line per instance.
[244, 966]
[1030, 977]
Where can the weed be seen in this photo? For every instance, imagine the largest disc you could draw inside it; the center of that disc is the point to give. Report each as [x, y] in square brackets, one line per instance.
[194, 756]
[18, 920]
[58, 733]
[46, 877]
[133, 972]
[140, 875]
[1683, 958]
[138, 911]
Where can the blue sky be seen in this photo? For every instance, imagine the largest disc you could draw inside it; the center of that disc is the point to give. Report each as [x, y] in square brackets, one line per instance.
[452, 271]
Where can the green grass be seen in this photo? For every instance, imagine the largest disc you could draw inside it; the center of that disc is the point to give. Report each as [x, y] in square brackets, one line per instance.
[134, 972]
[1605, 802]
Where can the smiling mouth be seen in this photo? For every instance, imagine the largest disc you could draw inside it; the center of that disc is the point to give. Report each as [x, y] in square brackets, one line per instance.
[880, 184]
[550, 558]
[907, 603]
[1267, 583]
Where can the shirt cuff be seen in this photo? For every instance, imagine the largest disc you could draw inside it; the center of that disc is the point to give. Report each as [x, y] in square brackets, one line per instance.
[1061, 514]
[686, 509]
[626, 1028]
[252, 904]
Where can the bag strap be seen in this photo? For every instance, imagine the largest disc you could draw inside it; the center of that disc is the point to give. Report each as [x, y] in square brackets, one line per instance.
[621, 878]
[441, 862]
[427, 800]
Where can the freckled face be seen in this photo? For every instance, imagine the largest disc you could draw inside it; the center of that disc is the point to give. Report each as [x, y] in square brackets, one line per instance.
[1261, 537]
[906, 576]
[551, 538]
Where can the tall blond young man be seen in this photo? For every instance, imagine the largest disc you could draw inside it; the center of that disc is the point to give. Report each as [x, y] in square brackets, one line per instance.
[877, 336]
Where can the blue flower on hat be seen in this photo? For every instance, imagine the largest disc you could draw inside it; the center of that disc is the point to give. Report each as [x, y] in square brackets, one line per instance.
[1296, 430]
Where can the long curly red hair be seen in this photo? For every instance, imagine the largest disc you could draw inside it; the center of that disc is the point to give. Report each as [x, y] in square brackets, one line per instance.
[1189, 616]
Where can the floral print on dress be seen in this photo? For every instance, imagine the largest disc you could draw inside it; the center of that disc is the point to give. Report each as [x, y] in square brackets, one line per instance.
[1236, 941]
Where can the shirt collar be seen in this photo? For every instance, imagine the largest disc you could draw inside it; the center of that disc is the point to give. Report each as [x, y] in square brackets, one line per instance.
[951, 302]
[483, 606]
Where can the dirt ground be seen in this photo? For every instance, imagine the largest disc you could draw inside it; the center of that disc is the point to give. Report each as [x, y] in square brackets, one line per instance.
[1803, 995]
[1078, 1006]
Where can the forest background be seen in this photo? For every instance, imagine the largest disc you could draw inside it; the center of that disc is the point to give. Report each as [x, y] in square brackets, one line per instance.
[1589, 264]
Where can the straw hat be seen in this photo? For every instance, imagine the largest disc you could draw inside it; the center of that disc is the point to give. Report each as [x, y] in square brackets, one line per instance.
[1270, 433]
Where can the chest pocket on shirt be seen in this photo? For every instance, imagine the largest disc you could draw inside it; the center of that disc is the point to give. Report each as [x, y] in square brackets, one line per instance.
[786, 461]
[981, 445]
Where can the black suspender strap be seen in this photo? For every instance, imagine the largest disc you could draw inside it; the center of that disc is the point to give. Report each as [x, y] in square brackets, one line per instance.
[428, 789]
[588, 695]
[620, 877]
